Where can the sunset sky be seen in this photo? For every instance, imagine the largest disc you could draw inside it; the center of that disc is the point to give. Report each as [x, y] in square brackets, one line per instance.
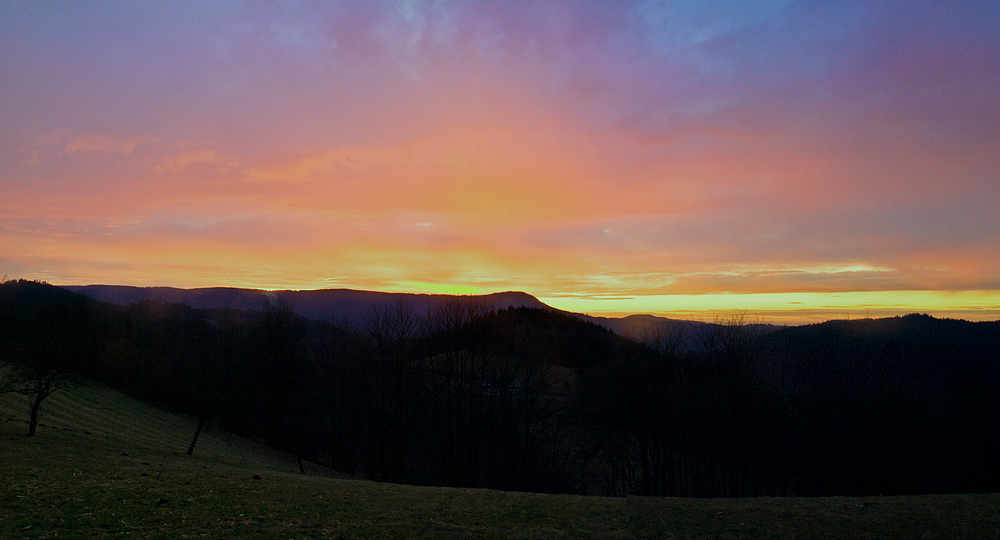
[802, 160]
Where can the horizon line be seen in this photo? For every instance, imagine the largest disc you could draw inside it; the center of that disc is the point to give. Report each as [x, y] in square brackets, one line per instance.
[786, 308]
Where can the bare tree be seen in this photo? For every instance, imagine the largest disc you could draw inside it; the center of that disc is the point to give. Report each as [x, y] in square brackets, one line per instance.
[214, 366]
[392, 330]
[38, 380]
[458, 371]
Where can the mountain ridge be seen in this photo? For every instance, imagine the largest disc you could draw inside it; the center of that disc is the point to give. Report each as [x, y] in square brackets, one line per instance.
[348, 305]
[353, 305]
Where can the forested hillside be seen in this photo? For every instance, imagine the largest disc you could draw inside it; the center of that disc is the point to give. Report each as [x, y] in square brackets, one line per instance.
[535, 400]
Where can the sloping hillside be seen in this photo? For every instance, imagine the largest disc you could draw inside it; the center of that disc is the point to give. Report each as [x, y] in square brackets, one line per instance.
[105, 466]
[93, 419]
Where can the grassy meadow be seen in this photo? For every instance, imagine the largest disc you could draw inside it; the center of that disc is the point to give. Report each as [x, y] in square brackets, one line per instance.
[105, 466]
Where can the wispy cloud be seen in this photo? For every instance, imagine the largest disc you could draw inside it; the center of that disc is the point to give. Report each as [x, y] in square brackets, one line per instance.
[61, 142]
[184, 158]
[103, 143]
[449, 149]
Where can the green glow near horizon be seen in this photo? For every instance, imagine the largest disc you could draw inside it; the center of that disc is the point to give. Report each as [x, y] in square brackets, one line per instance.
[409, 286]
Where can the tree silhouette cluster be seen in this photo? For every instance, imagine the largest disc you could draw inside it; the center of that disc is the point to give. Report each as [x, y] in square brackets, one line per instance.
[536, 400]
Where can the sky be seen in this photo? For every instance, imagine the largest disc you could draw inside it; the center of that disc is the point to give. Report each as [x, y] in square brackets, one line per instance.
[800, 160]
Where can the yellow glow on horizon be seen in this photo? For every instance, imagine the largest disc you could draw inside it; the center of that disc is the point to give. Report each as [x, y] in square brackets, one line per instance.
[793, 308]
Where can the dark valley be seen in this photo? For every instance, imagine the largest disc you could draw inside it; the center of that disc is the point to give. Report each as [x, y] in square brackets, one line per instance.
[503, 392]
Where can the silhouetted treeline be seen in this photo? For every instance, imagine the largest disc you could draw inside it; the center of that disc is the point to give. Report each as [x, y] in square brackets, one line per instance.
[531, 399]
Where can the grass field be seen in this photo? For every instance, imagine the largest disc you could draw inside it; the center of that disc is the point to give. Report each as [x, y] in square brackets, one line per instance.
[105, 466]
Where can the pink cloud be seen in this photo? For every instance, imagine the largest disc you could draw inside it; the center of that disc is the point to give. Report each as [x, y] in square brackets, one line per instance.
[185, 158]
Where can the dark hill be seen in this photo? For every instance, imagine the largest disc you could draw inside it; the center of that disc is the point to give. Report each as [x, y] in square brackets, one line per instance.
[353, 305]
[318, 305]
[911, 335]
[904, 404]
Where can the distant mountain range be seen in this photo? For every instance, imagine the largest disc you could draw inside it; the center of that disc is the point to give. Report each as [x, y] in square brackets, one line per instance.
[350, 305]
[320, 305]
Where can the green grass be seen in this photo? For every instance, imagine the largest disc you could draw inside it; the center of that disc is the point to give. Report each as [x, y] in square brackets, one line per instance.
[105, 466]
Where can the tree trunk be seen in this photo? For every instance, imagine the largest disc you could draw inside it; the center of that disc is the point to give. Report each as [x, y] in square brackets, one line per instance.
[201, 422]
[33, 421]
[43, 388]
